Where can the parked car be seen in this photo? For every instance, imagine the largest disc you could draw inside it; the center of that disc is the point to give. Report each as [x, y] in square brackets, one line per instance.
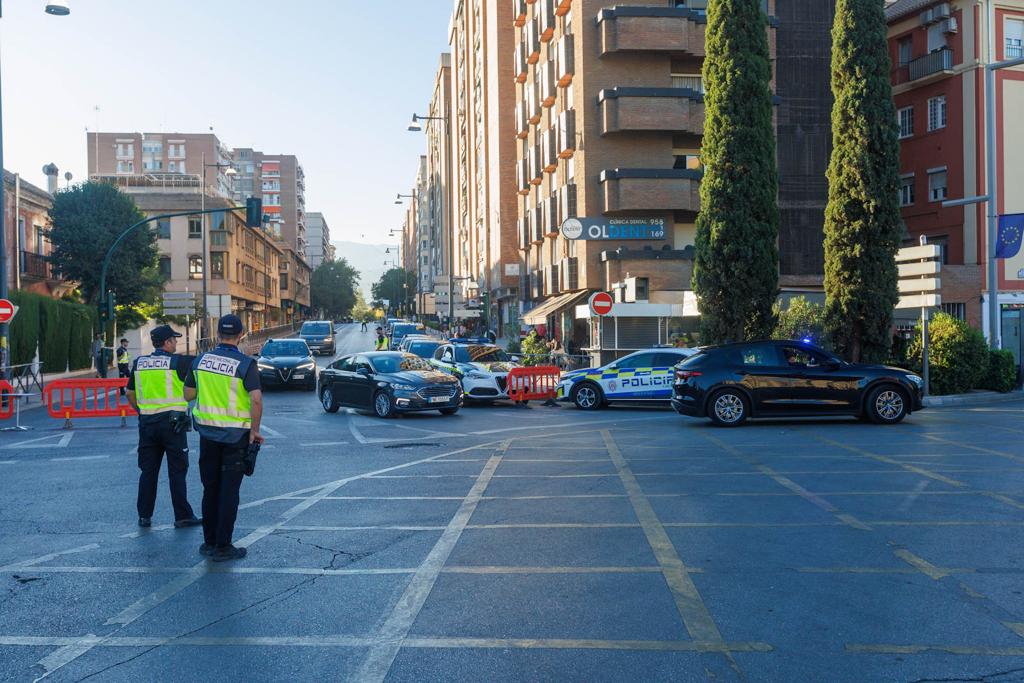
[734, 382]
[400, 330]
[420, 345]
[319, 335]
[388, 383]
[286, 362]
[641, 376]
[481, 366]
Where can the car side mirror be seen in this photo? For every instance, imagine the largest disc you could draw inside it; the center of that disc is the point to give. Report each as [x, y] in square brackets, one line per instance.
[363, 371]
[516, 359]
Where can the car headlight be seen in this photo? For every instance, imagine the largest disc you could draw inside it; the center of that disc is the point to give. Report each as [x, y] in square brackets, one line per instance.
[477, 375]
[403, 387]
[328, 340]
[265, 366]
[308, 365]
[916, 380]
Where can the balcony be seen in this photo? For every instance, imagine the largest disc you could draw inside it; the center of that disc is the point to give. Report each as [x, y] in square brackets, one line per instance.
[531, 37]
[566, 138]
[522, 121]
[519, 12]
[566, 202]
[549, 150]
[519, 63]
[647, 29]
[651, 109]
[537, 223]
[533, 109]
[547, 85]
[562, 7]
[546, 20]
[551, 223]
[569, 273]
[36, 266]
[650, 189]
[927, 68]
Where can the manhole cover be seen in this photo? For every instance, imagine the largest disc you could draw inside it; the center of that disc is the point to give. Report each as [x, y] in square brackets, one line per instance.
[413, 445]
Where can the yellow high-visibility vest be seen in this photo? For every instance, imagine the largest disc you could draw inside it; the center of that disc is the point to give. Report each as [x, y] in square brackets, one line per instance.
[221, 398]
[158, 388]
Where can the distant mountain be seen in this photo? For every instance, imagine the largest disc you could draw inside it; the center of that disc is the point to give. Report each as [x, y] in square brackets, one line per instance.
[368, 259]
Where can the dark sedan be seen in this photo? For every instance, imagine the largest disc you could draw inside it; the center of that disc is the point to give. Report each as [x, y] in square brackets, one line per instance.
[733, 382]
[388, 383]
[286, 362]
[319, 335]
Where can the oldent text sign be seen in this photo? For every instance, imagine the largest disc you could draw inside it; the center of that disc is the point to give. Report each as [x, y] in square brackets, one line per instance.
[614, 228]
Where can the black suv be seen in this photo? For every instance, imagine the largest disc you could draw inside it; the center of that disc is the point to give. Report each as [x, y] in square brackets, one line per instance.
[286, 362]
[732, 382]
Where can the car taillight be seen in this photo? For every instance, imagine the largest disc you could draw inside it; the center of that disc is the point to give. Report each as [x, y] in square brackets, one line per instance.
[684, 375]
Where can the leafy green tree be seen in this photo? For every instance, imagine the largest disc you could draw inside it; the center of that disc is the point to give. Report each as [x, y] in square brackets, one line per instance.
[801, 319]
[86, 219]
[736, 271]
[862, 221]
[360, 310]
[389, 287]
[332, 288]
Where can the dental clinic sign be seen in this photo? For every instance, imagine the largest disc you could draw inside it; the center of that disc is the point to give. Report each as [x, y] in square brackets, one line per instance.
[614, 229]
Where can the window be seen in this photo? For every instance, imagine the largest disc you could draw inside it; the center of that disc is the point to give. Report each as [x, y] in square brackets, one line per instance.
[907, 190]
[284, 281]
[937, 185]
[195, 267]
[906, 50]
[756, 355]
[688, 159]
[691, 81]
[219, 238]
[797, 356]
[165, 267]
[217, 265]
[195, 227]
[936, 36]
[905, 117]
[958, 311]
[700, 6]
[1014, 32]
[163, 229]
[937, 112]
[640, 360]
[172, 167]
[40, 240]
[942, 242]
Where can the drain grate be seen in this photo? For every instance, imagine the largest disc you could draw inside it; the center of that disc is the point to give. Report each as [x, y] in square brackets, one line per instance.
[413, 445]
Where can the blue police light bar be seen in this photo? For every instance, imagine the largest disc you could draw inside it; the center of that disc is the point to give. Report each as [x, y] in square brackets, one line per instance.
[470, 340]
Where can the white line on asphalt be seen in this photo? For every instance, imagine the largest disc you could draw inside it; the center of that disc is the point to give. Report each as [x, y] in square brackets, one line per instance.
[368, 571]
[323, 443]
[80, 457]
[51, 556]
[396, 628]
[7, 462]
[62, 442]
[270, 432]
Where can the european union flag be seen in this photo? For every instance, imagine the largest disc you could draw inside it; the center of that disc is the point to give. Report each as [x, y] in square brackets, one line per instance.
[1011, 229]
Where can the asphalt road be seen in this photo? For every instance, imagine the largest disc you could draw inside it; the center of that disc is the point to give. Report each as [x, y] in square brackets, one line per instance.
[511, 544]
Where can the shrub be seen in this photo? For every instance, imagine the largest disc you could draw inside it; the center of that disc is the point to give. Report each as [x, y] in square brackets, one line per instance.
[1002, 371]
[24, 330]
[82, 323]
[535, 351]
[54, 334]
[957, 355]
[802, 319]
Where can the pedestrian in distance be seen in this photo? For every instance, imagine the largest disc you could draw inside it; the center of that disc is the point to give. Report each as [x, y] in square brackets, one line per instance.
[225, 384]
[156, 389]
[382, 340]
[363, 327]
[124, 360]
[98, 355]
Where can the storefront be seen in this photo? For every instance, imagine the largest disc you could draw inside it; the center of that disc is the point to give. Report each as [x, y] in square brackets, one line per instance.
[634, 326]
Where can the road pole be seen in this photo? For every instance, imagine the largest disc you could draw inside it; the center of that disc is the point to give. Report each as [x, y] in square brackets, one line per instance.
[202, 207]
[4, 327]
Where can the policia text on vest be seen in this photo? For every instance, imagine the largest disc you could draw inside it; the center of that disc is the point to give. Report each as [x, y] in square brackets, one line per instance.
[225, 384]
[156, 389]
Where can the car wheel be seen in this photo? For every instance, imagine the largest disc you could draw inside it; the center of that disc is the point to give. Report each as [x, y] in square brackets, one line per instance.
[728, 408]
[588, 396]
[328, 401]
[887, 405]
[448, 411]
[382, 405]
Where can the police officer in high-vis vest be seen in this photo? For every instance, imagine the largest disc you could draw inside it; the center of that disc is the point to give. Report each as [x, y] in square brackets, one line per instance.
[156, 390]
[225, 384]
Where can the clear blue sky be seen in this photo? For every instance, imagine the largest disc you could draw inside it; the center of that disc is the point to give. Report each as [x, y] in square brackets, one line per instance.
[332, 81]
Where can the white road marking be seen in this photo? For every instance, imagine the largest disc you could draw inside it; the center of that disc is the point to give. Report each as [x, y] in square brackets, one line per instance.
[62, 441]
[324, 443]
[912, 496]
[396, 627]
[270, 432]
[51, 556]
[80, 457]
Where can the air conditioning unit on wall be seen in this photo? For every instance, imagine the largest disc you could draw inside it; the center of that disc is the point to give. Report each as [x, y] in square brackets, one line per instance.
[950, 25]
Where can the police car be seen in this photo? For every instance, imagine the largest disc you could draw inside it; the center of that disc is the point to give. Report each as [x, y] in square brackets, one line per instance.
[641, 376]
[480, 365]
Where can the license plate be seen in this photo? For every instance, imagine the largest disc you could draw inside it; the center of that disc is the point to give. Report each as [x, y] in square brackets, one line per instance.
[299, 375]
[439, 399]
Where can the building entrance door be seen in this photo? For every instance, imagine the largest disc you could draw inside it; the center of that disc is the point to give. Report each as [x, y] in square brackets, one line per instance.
[1012, 323]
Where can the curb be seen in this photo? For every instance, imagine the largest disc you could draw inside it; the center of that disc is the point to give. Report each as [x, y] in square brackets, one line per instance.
[976, 398]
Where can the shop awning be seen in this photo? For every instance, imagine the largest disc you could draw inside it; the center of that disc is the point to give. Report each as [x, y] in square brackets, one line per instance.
[539, 315]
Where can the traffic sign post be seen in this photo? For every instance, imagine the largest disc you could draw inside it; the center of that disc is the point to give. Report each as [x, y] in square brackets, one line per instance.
[919, 285]
[601, 303]
[7, 311]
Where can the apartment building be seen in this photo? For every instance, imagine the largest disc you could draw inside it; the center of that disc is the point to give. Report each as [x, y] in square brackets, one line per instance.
[122, 158]
[280, 181]
[243, 262]
[609, 118]
[938, 51]
[318, 247]
[437, 194]
[481, 37]
[25, 223]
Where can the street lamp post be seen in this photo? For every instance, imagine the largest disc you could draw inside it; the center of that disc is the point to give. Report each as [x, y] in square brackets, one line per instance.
[206, 256]
[57, 8]
[415, 127]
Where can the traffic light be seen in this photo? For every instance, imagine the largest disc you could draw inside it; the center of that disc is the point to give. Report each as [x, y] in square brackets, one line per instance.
[253, 212]
[111, 305]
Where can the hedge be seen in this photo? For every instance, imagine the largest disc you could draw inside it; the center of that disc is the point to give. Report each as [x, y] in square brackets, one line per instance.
[957, 355]
[62, 331]
[1002, 371]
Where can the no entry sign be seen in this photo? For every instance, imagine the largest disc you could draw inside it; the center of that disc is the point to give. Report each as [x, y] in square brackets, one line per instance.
[7, 310]
[601, 303]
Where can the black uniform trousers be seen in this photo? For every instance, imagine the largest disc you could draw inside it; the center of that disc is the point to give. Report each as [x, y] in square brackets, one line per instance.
[221, 469]
[155, 440]
[124, 371]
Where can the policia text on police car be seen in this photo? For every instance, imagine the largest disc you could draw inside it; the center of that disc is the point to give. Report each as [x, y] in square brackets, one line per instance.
[225, 384]
[156, 390]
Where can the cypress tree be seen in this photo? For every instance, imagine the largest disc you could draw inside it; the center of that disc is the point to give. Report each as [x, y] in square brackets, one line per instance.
[736, 269]
[862, 222]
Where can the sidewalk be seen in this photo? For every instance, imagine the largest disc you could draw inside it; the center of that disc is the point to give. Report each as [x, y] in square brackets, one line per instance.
[974, 398]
